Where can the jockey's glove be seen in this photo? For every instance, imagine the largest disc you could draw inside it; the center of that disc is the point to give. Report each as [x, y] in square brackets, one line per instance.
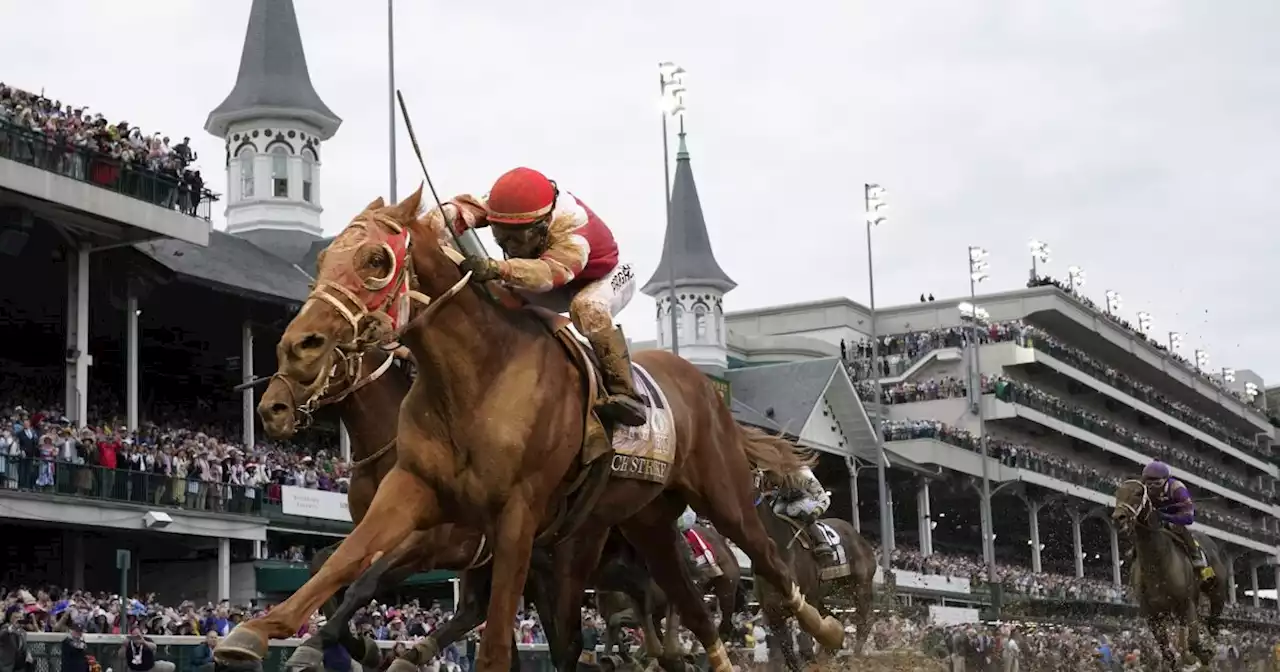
[482, 270]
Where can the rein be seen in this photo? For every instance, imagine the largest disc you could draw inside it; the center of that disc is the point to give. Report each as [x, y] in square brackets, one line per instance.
[1137, 513]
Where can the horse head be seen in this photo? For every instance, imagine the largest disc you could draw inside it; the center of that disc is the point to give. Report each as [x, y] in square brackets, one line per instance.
[361, 298]
[1133, 506]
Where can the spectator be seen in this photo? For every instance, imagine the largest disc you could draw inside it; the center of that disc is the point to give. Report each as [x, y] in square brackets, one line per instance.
[139, 654]
[202, 659]
[74, 658]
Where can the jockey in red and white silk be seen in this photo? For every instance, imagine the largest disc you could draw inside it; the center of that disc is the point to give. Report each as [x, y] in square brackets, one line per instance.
[559, 255]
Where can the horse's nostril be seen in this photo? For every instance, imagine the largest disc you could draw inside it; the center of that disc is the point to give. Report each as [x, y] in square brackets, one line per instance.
[279, 408]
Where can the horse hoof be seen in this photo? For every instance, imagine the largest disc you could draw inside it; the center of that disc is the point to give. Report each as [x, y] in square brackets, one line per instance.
[241, 645]
[372, 656]
[305, 658]
[831, 634]
[402, 665]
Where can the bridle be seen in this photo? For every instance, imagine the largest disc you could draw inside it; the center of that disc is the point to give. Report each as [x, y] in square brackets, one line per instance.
[1143, 508]
[390, 303]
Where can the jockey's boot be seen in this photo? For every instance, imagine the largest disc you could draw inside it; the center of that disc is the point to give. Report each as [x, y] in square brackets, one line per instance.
[822, 550]
[623, 404]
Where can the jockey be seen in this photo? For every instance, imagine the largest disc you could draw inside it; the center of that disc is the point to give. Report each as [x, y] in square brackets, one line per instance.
[805, 502]
[1173, 500]
[561, 256]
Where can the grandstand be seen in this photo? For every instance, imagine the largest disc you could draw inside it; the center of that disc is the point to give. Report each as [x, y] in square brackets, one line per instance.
[1074, 399]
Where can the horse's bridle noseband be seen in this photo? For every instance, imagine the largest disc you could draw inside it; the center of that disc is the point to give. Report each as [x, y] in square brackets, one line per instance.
[1145, 506]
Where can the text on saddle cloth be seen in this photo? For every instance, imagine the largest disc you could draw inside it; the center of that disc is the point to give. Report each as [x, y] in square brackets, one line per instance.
[839, 568]
[646, 452]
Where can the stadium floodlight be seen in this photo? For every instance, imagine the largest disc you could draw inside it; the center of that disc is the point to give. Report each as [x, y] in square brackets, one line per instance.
[978, 264]
[1175, 341]
[1228, 375]
[1202, 360]
[1251, 391]
[1075, 278]
[1144, 323]
[968, 311]
[1039, 255]
[1114, 302]
[877, 212]
[671, 96]
[877, 208]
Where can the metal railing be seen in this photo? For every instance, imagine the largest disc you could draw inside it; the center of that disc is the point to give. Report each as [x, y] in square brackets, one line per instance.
[132, 179]
[51, 477]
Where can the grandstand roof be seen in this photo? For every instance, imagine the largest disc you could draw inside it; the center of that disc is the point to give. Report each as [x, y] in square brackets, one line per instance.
[232, 264]
[273, 80]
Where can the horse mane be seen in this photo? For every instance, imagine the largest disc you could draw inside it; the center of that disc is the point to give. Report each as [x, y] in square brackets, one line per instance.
[775, 455]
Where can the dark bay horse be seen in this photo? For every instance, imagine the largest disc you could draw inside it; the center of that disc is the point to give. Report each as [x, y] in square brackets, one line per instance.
[1167, 585]
[856, 587]
[491, 434]
[617, 585]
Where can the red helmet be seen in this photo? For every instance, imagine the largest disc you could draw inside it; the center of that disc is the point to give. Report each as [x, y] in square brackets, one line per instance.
[521, 196]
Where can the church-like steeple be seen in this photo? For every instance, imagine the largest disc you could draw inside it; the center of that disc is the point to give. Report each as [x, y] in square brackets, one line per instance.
[273, 79]
[687, 247]
[274, 123]
[699, 281]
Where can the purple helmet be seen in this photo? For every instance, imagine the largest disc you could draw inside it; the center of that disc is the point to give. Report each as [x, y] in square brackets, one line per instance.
[1156, 470]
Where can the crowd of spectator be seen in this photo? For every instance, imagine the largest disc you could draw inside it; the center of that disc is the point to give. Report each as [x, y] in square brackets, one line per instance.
[201, 467]
[1031, 458]
[1187, 364]
[84, 145]
[897, 353]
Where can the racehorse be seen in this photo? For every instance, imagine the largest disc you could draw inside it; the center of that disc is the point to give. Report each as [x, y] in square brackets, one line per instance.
[809, 572]
[1167, 585]
[492, 436]
[617, 586]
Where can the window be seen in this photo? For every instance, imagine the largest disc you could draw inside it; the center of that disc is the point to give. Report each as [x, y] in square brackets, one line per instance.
[719, 326]
[246, 173]
[679, 324]
[308, 174]
[700, 324]
[280, 172]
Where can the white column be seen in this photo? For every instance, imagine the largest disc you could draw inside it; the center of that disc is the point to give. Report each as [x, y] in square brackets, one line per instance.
[1115, 554]
[1277, 573]
[224, 569]
[1231, 581]
[344, 441]
[1033, 515]
[1253, 584]
[246, 375]
[926, 519]
[1077, 548]
[131, 360]
[852, 463]
[78, 359]
[457, 593]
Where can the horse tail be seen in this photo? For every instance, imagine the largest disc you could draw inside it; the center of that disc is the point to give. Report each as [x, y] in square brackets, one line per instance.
[774, 454]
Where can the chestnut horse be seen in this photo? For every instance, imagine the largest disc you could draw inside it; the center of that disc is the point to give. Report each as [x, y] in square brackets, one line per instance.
[491, 435]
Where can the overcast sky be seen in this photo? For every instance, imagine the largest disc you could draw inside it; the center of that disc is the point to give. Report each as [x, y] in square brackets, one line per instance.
[1139, 139]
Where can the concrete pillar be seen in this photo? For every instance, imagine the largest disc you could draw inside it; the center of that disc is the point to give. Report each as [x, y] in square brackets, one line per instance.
[1077, 547]
[987, 546]
[926, 519]
[78, 360]
[852, 463]
[246, 375]
[77, 560]
[1115, 554]
[1033, 515]
[1231, 580]
[1253, 584]
[457, 592]
[224, 569]
[1277, 573]
[344, 441]
[131, 346]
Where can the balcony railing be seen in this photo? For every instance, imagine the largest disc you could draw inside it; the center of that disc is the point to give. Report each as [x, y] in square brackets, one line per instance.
[49, 477]
[132, 179]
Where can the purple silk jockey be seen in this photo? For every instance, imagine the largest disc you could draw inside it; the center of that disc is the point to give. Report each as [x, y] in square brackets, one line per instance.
[1173, 500]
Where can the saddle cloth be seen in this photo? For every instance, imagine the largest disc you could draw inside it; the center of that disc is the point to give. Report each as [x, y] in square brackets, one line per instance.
[645, 452]
[832, 569]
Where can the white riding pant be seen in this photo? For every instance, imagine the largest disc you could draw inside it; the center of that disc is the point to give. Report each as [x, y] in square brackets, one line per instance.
[807, 509]
[591, 308]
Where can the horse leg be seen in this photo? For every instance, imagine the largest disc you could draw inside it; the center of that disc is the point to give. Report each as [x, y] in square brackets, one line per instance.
[652, 533]
[564, 639]
[389, 571]
[779, 637]
[726, 591]
[310, 654]
[512, 549]
[475, 587]
[402, 504]
[647, 604]
[730, 504]
[1191, 621]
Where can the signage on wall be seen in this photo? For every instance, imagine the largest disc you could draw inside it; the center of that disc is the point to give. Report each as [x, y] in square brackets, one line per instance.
[722, 388]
